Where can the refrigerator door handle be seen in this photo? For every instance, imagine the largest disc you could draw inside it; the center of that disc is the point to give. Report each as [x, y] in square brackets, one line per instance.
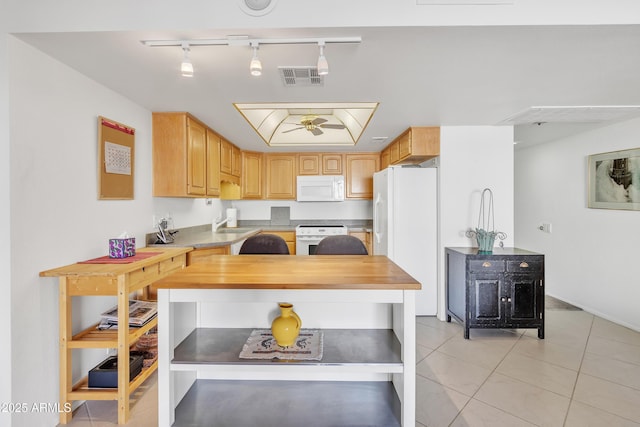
[376, 218]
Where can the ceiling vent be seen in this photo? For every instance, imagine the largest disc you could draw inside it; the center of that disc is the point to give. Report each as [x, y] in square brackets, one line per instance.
[301, 76]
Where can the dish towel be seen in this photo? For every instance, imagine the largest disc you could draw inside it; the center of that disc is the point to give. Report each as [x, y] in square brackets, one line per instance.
[262, 345]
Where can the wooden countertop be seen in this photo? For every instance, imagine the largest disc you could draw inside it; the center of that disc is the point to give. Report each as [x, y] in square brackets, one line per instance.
[292, 272]
[113, 270]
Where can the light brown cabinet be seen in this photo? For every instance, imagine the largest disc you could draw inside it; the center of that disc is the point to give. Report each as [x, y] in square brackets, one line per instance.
[414, 146]
[180, 156]
[320, 164]
[288, 236]
[365, 237]
[213, 163]
[205, 254]
[309, 164]
[252, 179]
[281, 171]
[230, 162]
[359, 177]
[332, 164]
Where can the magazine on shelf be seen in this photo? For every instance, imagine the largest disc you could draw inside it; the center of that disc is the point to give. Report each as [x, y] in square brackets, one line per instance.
[140, 312]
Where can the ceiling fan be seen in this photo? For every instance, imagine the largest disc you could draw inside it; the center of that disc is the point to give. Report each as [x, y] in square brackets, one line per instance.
[314, 124]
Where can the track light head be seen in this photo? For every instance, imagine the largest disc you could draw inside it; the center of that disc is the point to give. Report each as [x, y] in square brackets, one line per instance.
[255, 67]
[323, 65]
[186, 67]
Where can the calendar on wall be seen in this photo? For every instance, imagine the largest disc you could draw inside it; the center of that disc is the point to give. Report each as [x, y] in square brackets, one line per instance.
[116, 159]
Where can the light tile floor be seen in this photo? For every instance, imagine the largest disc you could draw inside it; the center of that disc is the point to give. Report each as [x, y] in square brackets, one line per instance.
[586, 372]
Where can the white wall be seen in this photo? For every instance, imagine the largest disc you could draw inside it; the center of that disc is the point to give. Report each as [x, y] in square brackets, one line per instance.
[56, 217]
[473, 158]
[5, 230]
[591, 254]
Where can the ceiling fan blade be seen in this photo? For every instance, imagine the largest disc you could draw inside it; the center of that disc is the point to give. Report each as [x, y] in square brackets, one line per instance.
[316, 131]
[318, 120]
[291, 130]
[330, 126]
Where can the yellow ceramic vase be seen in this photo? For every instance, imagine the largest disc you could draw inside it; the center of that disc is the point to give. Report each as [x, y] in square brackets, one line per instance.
[286, 327]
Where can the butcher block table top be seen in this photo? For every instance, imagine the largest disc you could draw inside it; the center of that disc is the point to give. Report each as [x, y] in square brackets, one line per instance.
[292, 272]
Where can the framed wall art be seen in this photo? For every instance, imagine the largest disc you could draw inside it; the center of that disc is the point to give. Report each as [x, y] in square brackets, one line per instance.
[614, 180]
[116, 159]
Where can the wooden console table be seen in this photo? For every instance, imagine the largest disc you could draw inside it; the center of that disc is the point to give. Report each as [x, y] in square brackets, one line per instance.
[364, 305]
[119, 280]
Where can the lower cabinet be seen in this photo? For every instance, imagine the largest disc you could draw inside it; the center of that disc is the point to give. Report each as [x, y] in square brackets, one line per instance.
[288, 236]
[204, 255]
[504, 289]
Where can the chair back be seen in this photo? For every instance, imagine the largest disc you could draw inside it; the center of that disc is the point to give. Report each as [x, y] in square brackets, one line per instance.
[341, 245]
[264, 244]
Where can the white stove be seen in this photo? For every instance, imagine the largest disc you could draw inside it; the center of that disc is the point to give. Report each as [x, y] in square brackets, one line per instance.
[308, 236]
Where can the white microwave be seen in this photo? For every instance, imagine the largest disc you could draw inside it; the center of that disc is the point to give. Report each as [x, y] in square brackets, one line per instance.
[320, 188]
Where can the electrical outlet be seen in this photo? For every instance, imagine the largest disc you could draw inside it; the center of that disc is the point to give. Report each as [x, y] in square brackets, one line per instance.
[208, 202]
[545, 227]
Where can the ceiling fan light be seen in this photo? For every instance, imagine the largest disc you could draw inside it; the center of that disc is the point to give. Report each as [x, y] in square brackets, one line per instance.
[255, 67]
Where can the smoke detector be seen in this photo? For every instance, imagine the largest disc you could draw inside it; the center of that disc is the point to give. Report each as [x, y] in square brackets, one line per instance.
[257, 7]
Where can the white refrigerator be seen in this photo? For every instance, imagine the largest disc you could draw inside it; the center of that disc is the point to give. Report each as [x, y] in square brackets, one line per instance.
[405, 227]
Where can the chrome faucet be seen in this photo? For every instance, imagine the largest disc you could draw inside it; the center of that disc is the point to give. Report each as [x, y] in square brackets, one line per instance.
[217, 224]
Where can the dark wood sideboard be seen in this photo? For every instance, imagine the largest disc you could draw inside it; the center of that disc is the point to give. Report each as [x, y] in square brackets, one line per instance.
[504, 289]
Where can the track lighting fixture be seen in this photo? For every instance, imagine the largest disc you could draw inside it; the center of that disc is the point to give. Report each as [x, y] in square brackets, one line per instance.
[255, 67]
[323, 65]
[186, 68]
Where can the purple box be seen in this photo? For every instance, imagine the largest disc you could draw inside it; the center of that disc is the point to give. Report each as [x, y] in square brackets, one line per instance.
[122, 248]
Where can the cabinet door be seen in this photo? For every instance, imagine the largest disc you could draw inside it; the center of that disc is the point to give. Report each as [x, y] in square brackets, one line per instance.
[236, 161]
[523, 298]
[225, 156]
[485, 299]
[252, 187]
[332, 164]
[404, 144]
[281, 176]
[309, 164]
[360, 170]
[213, 164]
[196, 158]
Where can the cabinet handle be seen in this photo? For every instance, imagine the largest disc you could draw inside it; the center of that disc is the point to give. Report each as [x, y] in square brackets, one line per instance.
[524, 265]
[509, 299]
[503, 299]
[486, 264]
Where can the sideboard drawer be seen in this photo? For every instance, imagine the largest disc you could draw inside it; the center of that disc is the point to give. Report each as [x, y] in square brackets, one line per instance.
[486, 265]
[523, 266]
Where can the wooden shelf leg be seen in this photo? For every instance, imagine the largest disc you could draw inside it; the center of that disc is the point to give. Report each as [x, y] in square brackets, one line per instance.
[66, 380]
[123, 351]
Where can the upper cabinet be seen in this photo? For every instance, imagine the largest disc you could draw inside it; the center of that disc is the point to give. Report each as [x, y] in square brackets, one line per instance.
[359, 177]
[230, 162]
[252, 170]
[281, 171]
[320, 164]
[413, 146]
[180, 156]
[213, 159]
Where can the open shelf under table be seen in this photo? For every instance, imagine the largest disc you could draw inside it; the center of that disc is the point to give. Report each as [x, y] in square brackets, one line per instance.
[340, 347]
[217, 403]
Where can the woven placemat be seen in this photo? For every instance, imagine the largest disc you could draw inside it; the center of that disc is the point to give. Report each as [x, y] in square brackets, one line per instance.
[262, 345]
